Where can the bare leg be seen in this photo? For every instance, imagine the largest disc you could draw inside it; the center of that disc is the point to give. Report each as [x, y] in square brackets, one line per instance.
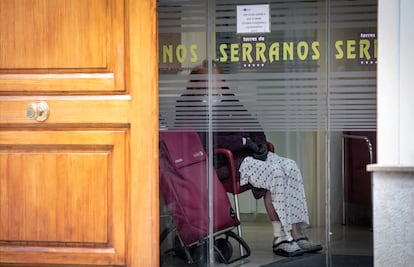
[292, 249]
[282, 244]
[296, 231]
[269, 207]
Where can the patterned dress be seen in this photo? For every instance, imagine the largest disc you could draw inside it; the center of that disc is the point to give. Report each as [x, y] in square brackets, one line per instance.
[282, 177]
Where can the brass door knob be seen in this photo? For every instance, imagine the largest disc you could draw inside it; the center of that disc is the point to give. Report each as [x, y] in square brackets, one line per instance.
[37, 111]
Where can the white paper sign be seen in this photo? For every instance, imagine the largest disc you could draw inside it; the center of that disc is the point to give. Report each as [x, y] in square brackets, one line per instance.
[253, 19]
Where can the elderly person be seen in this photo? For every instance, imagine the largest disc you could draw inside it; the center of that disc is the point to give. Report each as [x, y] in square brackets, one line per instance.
[271, 176]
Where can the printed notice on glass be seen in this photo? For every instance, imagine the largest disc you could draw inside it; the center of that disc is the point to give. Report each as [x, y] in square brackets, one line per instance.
[253, 19]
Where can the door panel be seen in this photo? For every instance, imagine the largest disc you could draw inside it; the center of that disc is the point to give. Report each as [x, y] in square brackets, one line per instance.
[80, 187]
[62, 45]
[63, 189]
[52, 29]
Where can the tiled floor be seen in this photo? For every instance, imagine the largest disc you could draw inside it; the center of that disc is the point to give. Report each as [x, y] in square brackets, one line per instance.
[354, 240]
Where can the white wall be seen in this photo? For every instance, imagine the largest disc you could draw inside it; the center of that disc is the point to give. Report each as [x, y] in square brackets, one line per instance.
[393, 181]
[406, 83]
[395, 85]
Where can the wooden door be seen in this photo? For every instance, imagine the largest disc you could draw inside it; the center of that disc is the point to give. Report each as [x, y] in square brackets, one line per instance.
[78, 133]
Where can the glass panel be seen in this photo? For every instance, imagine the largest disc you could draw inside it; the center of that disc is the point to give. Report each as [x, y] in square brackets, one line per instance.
[306, 80]
[184, 173]
[352, 126]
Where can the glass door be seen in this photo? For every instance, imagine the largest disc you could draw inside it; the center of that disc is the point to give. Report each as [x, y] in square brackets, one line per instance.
[292, 80]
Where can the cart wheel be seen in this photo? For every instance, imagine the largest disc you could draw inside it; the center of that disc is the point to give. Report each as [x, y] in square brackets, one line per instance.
[199, 254]
[225, 248]
[178, 249]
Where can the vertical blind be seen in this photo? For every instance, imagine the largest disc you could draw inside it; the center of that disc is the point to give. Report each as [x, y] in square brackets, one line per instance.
[322, 76]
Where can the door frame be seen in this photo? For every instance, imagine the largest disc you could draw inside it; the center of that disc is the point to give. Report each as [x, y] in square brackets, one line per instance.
[142, 82]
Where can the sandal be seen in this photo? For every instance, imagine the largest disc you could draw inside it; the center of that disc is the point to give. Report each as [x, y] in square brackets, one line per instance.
[307, 246]
[287, 249]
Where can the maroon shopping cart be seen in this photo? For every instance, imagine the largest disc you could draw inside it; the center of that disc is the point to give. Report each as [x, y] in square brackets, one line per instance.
[185, 192]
